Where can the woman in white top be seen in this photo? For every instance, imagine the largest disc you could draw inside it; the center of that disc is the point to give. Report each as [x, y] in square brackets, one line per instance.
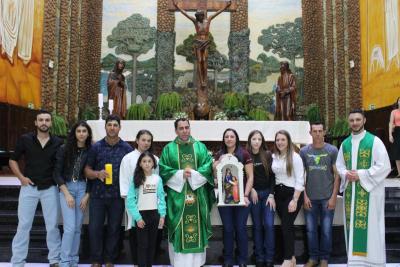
[289, 173]
[144, 142]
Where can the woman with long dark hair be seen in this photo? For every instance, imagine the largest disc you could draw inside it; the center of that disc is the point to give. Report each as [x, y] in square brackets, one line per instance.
[394, 134]
[234, 218]
[68, 174]
[289, 174]
[263, 201]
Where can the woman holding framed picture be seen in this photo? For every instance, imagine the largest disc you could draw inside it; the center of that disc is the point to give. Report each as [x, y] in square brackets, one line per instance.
[234, 218]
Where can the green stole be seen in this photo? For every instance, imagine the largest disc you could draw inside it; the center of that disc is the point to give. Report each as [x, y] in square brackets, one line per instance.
[361, 197]
[190, 222]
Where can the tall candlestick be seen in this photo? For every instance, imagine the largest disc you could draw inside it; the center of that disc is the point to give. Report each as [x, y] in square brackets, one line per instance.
[100, 100]
[110, 105]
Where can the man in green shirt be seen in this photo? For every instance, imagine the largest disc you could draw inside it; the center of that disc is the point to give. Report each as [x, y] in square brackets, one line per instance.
[186, 170]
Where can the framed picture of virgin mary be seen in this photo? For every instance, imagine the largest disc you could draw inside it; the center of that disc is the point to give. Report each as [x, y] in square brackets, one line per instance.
[230, 182]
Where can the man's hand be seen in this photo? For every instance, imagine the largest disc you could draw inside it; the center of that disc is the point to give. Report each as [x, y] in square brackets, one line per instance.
[352, 176]
[307, 202]
[332, 203]
[26, 181]
[391, 139]
[187, 173]
[102, 175]
[175, 3]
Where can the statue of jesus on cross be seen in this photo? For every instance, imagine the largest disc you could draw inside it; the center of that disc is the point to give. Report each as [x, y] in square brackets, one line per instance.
[201, 43]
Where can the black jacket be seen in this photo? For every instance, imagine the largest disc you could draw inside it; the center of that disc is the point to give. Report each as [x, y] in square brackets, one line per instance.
[61, 174]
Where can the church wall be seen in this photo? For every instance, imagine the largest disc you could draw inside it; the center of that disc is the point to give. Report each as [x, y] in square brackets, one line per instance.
[331, 40]
[165, 47]
[49, 53]
[72, 31]
[380, 36]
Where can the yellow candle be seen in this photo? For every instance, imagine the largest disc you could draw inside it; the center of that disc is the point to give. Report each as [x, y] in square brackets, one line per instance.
[108, 168]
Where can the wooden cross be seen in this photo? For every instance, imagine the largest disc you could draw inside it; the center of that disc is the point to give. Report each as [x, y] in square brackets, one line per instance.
[209, 5]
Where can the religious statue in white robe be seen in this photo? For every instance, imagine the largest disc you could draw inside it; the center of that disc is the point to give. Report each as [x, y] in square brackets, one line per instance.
[16, 28]
[364, 199]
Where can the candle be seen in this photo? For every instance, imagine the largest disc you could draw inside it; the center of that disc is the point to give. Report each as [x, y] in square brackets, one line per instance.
[100, 100]
[110, 105]
[108, 168]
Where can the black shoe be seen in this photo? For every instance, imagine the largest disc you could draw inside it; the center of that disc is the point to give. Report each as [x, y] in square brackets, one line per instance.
[227, 265]
[242, 265]
[54, 265]
[259, 264]
[269, 264]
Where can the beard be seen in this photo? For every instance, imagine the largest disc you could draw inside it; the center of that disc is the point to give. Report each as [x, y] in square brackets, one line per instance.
[43, 129]
[357, 130]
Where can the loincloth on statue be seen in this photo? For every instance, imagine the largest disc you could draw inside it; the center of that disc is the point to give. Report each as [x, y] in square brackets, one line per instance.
[201, 44]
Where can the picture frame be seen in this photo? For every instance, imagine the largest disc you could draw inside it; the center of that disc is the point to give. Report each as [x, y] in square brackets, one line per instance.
[230, 182]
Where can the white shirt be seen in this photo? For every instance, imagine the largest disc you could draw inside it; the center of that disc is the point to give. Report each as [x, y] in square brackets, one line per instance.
[147, 195]
[126, 170]
[296, 180]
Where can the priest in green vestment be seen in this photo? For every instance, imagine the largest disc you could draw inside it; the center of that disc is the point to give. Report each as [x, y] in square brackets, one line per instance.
[186, 170]
[363, 164]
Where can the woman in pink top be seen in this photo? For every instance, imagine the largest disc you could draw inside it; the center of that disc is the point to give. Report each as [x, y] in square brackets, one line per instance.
[394, 134]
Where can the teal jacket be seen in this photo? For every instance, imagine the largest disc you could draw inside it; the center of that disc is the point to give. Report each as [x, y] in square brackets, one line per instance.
[132, 201]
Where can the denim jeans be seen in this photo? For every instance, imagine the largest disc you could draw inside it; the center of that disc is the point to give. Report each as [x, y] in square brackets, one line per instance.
[99, 208]
[29, 196]
[72, 223]
[263, 228]
[234, 221]
[319, 250]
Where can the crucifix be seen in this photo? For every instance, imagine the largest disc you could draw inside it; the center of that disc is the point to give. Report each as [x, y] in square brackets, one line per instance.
[200, 45]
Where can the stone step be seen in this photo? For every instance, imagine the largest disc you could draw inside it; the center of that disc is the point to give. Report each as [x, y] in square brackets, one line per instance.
[392, 193]
[392, 204]
[8, 217]
[10, 190]
[7, 232]
[392, 219]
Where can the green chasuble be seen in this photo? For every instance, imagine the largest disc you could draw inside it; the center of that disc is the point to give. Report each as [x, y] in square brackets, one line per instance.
[188, 211]
[361, 196]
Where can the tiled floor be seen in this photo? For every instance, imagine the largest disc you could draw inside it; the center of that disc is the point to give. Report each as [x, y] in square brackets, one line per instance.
[3, 264]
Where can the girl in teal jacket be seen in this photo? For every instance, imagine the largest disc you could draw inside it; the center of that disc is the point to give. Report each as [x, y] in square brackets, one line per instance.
[146, 204]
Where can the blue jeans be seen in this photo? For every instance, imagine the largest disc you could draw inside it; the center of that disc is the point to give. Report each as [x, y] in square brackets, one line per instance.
[72, 223]
[29, 196]
[319, 250]
[263, 228]
[99, 208]
[234, 220]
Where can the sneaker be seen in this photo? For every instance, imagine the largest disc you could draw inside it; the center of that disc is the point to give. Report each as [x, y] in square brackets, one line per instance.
[323, 263]
[311, 263]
